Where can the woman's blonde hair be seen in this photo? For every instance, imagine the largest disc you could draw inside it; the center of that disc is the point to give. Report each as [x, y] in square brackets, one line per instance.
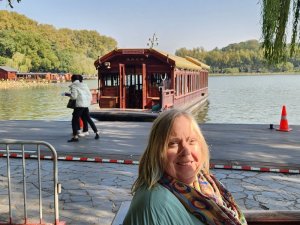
[152, 163]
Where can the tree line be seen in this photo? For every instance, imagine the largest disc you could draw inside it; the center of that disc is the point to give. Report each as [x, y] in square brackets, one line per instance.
[29, 46]
[244, 57]
[32, 47]
[275, 16]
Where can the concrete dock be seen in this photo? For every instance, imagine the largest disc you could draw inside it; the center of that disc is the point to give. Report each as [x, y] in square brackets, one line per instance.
[231, 144]
[93, 192]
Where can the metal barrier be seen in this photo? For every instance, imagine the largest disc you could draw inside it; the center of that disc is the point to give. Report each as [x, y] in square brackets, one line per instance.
[10, 153]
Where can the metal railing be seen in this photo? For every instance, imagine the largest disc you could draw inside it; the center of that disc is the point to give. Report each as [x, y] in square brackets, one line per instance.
[10, 151]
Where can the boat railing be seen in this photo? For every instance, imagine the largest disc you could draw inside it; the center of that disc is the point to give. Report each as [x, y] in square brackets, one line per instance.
[167, 98]
[95, 96]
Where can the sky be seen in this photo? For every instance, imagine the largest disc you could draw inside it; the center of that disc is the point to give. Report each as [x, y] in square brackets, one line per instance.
[176, 23]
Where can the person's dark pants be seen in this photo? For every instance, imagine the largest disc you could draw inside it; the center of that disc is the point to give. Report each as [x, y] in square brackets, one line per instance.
[87, 119]
[77, 113]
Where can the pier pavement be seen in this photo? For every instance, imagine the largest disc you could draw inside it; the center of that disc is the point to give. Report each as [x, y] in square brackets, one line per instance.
[93, 192]
[230, 144]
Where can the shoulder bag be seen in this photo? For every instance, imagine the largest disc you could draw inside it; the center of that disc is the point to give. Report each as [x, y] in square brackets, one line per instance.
[71, 104]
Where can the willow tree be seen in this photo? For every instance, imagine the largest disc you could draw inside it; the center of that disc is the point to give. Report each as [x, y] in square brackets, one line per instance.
[10, 2]
[275, 17]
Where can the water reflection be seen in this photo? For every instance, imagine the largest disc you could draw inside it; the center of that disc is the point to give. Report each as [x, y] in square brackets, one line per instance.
[202, 114]
[36, 103]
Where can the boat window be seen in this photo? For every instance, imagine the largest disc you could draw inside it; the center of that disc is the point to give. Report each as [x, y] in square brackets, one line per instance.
[177, 85]
[157, 78]
[154, 79]
[188, 84]
[110, 79]
[140, 87]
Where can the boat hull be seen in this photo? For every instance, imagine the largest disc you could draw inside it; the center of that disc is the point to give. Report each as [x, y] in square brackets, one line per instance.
[123, 115]
[139, 115]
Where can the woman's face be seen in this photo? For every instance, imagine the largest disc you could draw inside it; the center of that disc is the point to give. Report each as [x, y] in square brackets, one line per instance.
[183, 152]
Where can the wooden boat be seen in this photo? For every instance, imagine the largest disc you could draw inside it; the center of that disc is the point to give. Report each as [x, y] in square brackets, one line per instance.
[137, 84]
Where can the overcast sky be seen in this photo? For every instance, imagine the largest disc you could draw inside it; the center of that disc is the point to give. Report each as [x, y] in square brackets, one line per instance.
[177, 23]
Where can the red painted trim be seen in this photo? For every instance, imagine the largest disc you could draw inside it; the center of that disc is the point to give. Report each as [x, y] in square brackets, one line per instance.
[126, 161]
[69, 158]
[227, 166]
[246, 167]
[98, 159]
[83, 159]
[263, 169]
[284, 170]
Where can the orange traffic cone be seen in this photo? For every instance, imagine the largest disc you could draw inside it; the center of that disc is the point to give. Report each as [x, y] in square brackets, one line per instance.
[80, 123]
[284, 126]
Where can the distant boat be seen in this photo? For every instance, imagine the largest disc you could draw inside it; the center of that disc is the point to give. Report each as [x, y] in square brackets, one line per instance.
[137, 84]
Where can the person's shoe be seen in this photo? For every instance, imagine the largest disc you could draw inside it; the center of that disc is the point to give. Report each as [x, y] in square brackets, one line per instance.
[97, 136]
[82, 134]
[74, 139]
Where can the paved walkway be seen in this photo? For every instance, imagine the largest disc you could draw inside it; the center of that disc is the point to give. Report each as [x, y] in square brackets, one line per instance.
[231, 144]
[93, 192]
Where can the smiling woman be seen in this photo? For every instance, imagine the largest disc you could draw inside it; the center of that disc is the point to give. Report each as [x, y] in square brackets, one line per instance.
[174, 185]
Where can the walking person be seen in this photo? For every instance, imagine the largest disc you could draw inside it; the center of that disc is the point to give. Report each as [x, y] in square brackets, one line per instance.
[81, 93]
[86, 119]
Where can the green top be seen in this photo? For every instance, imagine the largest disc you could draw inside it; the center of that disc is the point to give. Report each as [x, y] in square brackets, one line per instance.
[158, 206]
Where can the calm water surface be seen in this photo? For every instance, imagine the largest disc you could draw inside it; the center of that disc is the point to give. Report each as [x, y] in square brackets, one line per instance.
[252, 99]
[236, 99]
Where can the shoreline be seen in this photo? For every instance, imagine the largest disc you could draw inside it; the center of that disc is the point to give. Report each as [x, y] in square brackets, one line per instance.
[10, 84]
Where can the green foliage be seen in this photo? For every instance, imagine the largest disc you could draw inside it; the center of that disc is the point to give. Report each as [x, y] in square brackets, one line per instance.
[275, 16]
[231, 70]
[244, 57]
[29, 46]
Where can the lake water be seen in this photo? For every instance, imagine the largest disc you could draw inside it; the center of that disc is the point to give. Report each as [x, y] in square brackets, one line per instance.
[232, 99]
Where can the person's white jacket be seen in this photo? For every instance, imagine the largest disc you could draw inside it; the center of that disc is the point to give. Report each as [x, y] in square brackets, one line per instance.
[81, 93]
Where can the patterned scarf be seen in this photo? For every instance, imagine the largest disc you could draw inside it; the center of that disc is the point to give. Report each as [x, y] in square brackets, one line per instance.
[209, 201]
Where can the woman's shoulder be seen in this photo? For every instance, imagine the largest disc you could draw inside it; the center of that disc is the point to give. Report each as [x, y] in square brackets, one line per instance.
[157, 206]
[155, 196]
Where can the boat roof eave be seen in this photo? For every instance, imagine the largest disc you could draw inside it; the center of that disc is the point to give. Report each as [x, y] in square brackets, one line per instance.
[197, 62]
[180, 62]
[104, 57]
[188, 63]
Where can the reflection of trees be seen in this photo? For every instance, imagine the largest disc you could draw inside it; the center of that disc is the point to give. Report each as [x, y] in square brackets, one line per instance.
[201, 114]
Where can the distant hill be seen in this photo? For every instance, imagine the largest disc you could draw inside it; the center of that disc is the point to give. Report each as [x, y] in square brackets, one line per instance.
[29, 46]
